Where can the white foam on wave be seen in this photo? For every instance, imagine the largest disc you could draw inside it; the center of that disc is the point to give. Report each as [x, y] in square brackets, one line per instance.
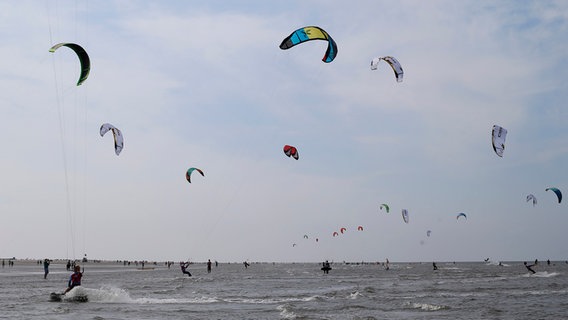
[118, 295]
[425, 306]
[544, 274]
[285, 312]
[355, 295]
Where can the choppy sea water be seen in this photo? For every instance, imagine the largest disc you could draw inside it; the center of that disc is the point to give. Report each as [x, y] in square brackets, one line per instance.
[291, 291]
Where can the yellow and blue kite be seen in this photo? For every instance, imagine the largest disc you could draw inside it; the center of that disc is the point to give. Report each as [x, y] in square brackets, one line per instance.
[311, 33]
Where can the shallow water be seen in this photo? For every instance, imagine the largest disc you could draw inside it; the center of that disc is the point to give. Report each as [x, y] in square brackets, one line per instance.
[291, 291]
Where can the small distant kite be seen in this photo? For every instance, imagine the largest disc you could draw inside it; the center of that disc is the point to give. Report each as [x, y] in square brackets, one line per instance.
[335, 233]
[405, 215]
[461, 214]
[305, 236]
[311, 33]
[498, 135]
[342, 230]
[360, 228]
[395, 65]
[533, 198]
[428, 233]
[558, 193]
[190, 171]
[83, 59]
[118, 140]
[384, 205]
[291, 152]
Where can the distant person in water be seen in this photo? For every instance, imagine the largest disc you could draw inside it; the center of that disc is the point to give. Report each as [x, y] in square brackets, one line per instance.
[246, 264]
[529, 267]
[434, 266]
[46, 263]
[183, 267]
[209, 266]
[75, 279]
[326, 267]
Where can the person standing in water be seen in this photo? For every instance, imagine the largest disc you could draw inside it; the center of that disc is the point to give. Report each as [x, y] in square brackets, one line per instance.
[75, 279]
[183, 267]
[434, 266]
[46, 263]
[209, 266]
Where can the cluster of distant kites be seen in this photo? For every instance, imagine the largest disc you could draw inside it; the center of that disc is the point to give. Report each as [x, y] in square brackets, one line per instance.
[299, 36]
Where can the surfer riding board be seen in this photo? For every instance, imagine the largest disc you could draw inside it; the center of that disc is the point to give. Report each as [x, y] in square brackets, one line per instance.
[74, 281]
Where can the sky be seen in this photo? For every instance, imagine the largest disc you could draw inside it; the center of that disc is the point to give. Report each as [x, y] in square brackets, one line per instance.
[204, 84]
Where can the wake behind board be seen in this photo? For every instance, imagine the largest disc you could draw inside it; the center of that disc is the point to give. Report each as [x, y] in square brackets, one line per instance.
[59, 297]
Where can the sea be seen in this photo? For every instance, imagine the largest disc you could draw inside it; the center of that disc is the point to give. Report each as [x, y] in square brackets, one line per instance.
[462, 290]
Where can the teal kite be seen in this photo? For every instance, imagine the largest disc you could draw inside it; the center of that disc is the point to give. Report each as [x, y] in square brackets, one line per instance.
[558, 193]
[189, 171]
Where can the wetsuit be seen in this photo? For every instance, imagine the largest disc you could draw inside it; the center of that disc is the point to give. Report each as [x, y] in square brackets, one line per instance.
[529, 268]
[74, 280]
[183, 267]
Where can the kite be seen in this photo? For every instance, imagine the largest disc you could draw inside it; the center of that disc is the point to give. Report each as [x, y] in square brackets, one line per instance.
[311, 33]
[83, 59]
[118, 140]
[395, 65]
[335, 233]
[342, 230]
[428, 233]
[360, 228]
[405, 215]
[189, 171]
[533, 198]
[384, 205]
[305, 236]
[291, 152]
[498, 136]
[461, 214]
[558, 193]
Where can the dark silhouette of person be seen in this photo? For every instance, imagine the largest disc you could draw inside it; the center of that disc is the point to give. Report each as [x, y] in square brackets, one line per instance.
[529, 267]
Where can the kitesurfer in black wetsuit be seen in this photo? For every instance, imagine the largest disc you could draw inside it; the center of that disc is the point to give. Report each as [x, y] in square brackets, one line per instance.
[183, 267]
[529, 267]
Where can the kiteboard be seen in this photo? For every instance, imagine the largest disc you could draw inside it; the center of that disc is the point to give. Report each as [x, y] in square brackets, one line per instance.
[58, 297]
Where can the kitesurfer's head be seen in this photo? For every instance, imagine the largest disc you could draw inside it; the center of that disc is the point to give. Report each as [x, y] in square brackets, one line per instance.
[77, 268]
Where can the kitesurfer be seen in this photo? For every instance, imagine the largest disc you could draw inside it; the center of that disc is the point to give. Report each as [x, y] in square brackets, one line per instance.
[75, 279]
[246, 264]
[46, 263]
[529, 267]
[208, 265]
[434, 266]
[183, 267]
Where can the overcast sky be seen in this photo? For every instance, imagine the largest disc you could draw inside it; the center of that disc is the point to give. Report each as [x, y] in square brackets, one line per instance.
[204, 84]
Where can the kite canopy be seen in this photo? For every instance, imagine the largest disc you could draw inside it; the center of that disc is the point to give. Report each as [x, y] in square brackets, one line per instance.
[498, 136]
[118, 140]
[83, 59]
[533, 198]
[558, 193]
[291, 152]
[428, 233]
[360, 228]
[405, 215]
[395, 65]
[342, 230]
[311, 33]
[189, 171]
[461, 214]
[384, 205]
